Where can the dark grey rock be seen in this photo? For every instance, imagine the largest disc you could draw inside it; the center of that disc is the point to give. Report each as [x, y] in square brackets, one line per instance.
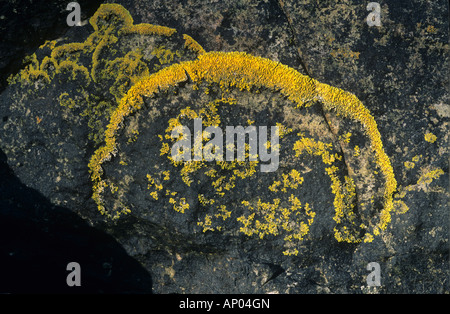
[398, 70]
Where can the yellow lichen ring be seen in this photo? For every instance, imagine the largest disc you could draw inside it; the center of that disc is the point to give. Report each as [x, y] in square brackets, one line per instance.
[243, 71]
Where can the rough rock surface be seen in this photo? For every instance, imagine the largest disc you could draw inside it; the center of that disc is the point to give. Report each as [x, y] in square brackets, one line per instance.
[27, 24]
[51, 126]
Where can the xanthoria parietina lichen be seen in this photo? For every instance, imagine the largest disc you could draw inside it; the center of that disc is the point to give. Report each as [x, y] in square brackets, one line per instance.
[244, 72]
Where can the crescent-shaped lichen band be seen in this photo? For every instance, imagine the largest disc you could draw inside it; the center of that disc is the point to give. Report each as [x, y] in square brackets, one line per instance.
[241, 70]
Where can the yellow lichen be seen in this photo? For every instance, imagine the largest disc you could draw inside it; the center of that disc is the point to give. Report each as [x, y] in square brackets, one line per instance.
[113, 14]
[346, 137]
[164, 55]
[269, 218]
[428, 177]
[349, 106]
[147, 29]
[190, 43]
[242, 71]
[73, 69]
[110, 22]
[430, 137]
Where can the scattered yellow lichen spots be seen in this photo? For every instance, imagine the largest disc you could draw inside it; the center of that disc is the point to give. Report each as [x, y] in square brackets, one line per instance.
[346, 137]
[242, 71]
[430, 137]
[282, 130]
[150, 179]
[291, 180]
[272, 219]
[428, 177]
[166, 175]
[206, 224]
[400, 207]
[204, 201]
[423, 184]
[409, 165]
[164, 55]
[316, 148]
[133, 137]
[274, 186]
[179, 206]
[431, 29]
[223, 213]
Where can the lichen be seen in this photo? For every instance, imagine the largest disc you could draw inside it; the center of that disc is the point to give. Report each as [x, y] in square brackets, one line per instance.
[428, 177]
[99, 81]
[430, 137]
[269, 218]
[190, 43]
[348, 105]
[245, 72]
[147, 29]
[127, 76]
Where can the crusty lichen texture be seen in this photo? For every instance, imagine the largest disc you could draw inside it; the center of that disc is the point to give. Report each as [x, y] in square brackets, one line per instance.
[99, 71]
[241, 71]
[108, 76]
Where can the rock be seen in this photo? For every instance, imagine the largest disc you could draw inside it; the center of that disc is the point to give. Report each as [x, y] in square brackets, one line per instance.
[62, 137]
[27, 24]
[39, 240]
[311, 226]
